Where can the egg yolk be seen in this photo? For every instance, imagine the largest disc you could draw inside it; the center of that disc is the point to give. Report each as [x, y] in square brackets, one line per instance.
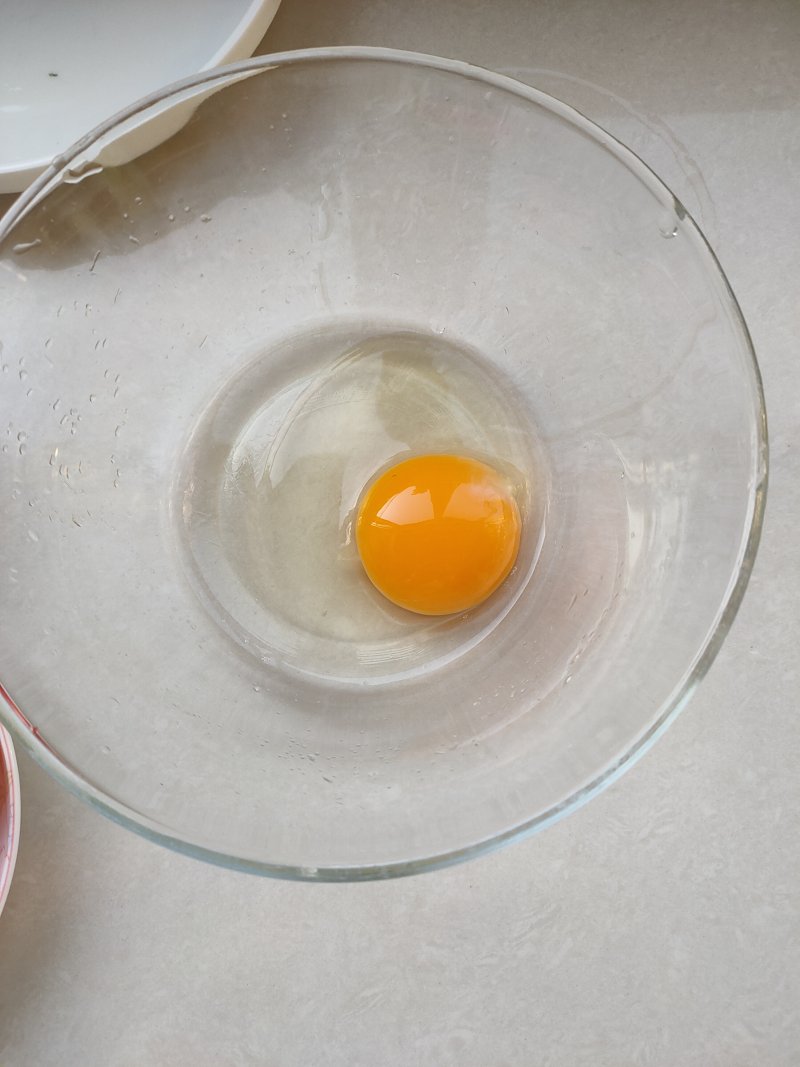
[438, 534]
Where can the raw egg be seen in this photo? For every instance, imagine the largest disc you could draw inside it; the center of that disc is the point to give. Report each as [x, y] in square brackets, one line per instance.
[437, 534]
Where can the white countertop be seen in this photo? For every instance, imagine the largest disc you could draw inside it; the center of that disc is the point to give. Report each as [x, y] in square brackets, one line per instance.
[660, 925]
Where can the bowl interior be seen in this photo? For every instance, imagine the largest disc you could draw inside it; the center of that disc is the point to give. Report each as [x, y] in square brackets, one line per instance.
[165, 318]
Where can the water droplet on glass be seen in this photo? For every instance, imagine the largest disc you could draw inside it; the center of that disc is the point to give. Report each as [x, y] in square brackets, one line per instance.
[25, 246]
[82, 170]
[668, 226]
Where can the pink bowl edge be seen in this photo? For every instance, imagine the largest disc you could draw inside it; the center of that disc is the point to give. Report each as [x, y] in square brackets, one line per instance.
[9, 833]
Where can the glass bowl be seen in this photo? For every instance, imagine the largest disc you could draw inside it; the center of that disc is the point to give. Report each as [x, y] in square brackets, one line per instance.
[348, 256]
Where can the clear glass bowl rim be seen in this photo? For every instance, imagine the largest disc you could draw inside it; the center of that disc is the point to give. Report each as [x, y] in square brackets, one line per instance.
[72, 778]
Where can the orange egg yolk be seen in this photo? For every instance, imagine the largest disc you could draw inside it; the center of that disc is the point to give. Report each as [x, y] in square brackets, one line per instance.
[438, 534]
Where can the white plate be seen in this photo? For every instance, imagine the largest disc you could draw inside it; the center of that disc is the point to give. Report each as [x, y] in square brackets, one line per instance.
[66, 66]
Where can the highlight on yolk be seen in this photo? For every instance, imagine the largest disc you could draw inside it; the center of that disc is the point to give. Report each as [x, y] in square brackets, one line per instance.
[438, 534]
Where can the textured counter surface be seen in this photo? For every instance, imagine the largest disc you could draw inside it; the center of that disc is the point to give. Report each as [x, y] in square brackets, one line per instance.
[658, 926]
